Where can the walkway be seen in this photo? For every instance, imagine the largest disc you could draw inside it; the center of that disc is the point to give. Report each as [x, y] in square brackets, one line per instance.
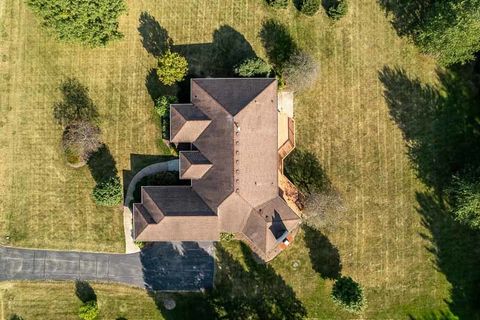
[171, 165]
[186, 266]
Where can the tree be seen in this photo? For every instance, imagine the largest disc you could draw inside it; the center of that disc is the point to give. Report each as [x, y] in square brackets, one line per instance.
[91, 22]
[308, 7]
[81, 138]
[278, 4]
[450, 31]
[301, 71]
[162, 105]
[466, 201]
[337, 9]
[253, 67]
[348, 294]
[88, 311]
[304, 170]
[172, 67]
[108, 192]
[76, 104]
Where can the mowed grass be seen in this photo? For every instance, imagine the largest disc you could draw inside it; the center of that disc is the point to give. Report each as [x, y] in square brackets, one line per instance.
[343, 119]
[57, 300]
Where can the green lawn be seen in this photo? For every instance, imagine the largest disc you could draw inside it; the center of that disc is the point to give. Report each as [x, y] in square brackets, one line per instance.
[344, 120]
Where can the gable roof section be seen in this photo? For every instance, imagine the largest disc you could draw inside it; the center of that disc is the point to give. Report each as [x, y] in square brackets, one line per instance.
[184, 215]
[193, 165]
[234, 94]
[187, 122]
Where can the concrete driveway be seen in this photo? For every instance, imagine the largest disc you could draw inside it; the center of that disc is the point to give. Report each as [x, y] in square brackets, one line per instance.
[185, 266]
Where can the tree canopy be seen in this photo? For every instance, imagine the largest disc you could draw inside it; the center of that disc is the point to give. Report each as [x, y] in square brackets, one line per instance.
[91, 22]
[451, 31]
[172, 67]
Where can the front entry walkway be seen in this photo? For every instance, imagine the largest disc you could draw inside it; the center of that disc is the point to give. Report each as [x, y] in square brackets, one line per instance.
[183, 266]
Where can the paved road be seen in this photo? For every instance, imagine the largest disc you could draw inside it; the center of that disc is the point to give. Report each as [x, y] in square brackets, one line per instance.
[182, 266]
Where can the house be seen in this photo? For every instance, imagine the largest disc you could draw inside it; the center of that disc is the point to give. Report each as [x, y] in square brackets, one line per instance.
[231, 130]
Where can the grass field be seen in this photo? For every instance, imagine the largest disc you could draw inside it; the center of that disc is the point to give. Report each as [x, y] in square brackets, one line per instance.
[343, 119]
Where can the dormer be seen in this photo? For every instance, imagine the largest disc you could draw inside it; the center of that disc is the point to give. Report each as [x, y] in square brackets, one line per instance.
[193, 165]
[187, 122]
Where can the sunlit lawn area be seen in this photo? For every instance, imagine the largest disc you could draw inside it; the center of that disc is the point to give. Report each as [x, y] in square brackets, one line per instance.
[344, 120]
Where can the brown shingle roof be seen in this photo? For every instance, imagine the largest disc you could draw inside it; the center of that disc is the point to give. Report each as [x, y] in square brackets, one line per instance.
[193, 165]
[233, 125]
[186, 122]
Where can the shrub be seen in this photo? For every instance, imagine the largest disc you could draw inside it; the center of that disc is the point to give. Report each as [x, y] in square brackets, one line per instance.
[308, 7]
[162, 105]
[253, 67]
[88, 311]
[140, 244]
[108, 192]
[278, 42]
[337, 9]
[92, 22]
[227, 236]
[80, 139]
[466, 202]
[172, 67]
[76, 104]
[348, 294]
[73, 156]
[301, 71]
[278, 4]
[304, 170]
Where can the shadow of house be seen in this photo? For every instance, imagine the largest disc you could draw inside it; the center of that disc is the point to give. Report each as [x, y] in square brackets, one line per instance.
[140, 161]
[102, 164]
[323, 254]
[442, 133]
[251, 291]
[155, 38]
[218, 58]
[84, 291]
[189, 266]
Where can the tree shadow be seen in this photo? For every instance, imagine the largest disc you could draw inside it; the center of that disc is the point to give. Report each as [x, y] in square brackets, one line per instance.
[102, 164]
[408, 15]
[277, 41]
[84, 291]
[76, 104]
[440, 127]
[457, 254]
[155, 38]
[442, 133]
[323, 254]
[155, 87]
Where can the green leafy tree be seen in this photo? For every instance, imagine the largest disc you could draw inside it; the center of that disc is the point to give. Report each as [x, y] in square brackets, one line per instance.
[91, 22]
[88, 311]
[308, 7]
[451, 31]
[253, 67]
[466, 201]
[337, 9]
[348, 294]
[304, 170]
[108, 192]
[278, 4]
[162, 105]
[172, 67]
